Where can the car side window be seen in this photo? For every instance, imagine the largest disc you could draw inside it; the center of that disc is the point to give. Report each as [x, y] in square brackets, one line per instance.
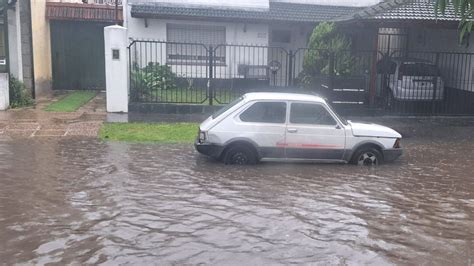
[265, 112]
[313, 114]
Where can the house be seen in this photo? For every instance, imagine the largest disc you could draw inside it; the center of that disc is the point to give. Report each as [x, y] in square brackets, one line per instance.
[250, 39]
[73, 29]
[16, 48]
[56, 44]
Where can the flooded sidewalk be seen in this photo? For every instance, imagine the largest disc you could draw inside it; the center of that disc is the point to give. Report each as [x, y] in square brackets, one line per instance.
[35, 122]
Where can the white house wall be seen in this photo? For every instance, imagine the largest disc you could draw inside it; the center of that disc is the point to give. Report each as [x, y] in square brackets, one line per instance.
[236, 33]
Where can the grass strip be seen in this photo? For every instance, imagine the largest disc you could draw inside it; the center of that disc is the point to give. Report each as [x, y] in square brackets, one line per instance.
[71, 102]
[149, 132]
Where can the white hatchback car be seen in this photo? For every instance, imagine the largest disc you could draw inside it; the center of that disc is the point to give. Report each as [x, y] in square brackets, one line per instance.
[292, 127]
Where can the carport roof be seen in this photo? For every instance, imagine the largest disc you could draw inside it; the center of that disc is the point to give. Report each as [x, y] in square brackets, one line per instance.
[277, 11]
[419, 10]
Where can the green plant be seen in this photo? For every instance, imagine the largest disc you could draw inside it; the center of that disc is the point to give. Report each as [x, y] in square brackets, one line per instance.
[327, 48]
[19, 96]
[463, 8]
[71, 102]
[152, 78]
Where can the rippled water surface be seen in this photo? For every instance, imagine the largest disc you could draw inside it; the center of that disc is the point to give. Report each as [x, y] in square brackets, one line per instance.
[85, 201]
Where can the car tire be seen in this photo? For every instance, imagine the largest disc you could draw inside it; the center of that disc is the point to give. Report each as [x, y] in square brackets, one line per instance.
[240, 155]
[367, 157]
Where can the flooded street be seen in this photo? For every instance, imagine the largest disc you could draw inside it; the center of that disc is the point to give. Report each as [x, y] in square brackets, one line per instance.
[85, 201]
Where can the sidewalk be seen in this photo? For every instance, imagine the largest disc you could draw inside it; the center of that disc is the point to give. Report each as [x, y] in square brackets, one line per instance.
[34, 122]
[454, 127]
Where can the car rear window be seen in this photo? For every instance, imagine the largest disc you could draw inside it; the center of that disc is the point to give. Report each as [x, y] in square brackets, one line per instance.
[265, 112]
[419, 69]
[227, 107]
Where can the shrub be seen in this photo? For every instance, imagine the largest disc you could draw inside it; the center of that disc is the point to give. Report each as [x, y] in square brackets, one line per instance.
[19, 96]
[152, 78]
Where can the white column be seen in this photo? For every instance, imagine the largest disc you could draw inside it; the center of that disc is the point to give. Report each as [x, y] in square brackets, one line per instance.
[4, 92]
[116, 68]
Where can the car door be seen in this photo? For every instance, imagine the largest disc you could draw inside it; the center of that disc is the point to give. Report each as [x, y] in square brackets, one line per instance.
[313, 133]
[264, 123]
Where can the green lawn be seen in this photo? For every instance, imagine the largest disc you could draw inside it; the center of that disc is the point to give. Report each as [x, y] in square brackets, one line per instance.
[150, 132]
[71, 102]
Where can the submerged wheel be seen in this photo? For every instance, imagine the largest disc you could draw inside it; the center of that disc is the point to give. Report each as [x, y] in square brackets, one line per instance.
[240, 155]
[367, 157]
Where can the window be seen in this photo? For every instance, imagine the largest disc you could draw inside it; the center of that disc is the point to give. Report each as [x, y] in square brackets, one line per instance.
[314, 114]
[188, 43]
[281, 36]
[419, 69]
[265, 112]
[227, 107]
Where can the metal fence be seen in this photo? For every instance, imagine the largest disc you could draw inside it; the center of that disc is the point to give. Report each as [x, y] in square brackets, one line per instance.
[399, 82]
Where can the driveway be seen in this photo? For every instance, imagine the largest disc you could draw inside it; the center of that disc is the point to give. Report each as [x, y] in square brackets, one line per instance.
[34, 122]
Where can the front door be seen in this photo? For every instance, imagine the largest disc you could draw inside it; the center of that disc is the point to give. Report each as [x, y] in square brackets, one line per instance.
[264, 122]
[313, 133]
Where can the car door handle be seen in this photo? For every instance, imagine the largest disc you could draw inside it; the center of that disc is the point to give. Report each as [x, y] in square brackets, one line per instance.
[292, 130]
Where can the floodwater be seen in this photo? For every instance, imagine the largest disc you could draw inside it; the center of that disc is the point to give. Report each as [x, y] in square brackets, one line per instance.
[82, 201]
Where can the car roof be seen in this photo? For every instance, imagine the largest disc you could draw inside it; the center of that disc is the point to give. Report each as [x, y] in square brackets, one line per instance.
[283, 96]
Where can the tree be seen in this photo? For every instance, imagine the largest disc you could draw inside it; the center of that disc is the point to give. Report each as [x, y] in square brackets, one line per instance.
[326, 41]
[463, 8]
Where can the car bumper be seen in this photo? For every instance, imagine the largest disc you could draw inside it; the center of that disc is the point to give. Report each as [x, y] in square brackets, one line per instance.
[209, 149]
[392, 154]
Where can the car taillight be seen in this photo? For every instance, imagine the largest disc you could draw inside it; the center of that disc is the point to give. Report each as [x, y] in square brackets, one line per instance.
[398, 144]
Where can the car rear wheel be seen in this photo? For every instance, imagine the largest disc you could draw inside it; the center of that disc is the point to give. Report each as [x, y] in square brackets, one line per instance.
[367, 157]
[240, 155]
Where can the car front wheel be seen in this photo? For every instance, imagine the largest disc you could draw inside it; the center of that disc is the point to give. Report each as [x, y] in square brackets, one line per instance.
[240, 155]
[367, 157]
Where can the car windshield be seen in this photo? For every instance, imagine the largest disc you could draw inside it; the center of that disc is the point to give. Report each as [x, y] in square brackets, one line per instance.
[419, 69]
[227, 107]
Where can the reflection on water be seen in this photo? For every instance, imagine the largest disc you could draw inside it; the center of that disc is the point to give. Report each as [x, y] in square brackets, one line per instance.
[85, 201]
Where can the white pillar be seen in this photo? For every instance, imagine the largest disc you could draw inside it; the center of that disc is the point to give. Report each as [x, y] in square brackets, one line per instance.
[116, 68]
[4, 92]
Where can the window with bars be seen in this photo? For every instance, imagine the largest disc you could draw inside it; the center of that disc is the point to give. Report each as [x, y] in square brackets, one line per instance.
[187, 43]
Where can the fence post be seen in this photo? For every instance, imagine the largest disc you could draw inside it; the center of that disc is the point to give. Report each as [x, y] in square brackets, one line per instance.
[435, 86]
[290, 68]
[116, 68]
[210, 89]
[331, 76]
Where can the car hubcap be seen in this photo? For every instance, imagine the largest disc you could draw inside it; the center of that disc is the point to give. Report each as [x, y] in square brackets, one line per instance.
[367, 159]
[239, 158]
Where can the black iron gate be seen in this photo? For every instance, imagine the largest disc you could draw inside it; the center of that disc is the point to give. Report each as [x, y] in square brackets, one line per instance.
[363, 81]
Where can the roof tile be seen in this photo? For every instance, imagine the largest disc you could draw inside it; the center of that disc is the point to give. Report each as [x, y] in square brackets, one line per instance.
[277, 12]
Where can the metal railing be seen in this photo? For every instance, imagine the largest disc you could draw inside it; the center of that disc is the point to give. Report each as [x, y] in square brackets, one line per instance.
[398, 83]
